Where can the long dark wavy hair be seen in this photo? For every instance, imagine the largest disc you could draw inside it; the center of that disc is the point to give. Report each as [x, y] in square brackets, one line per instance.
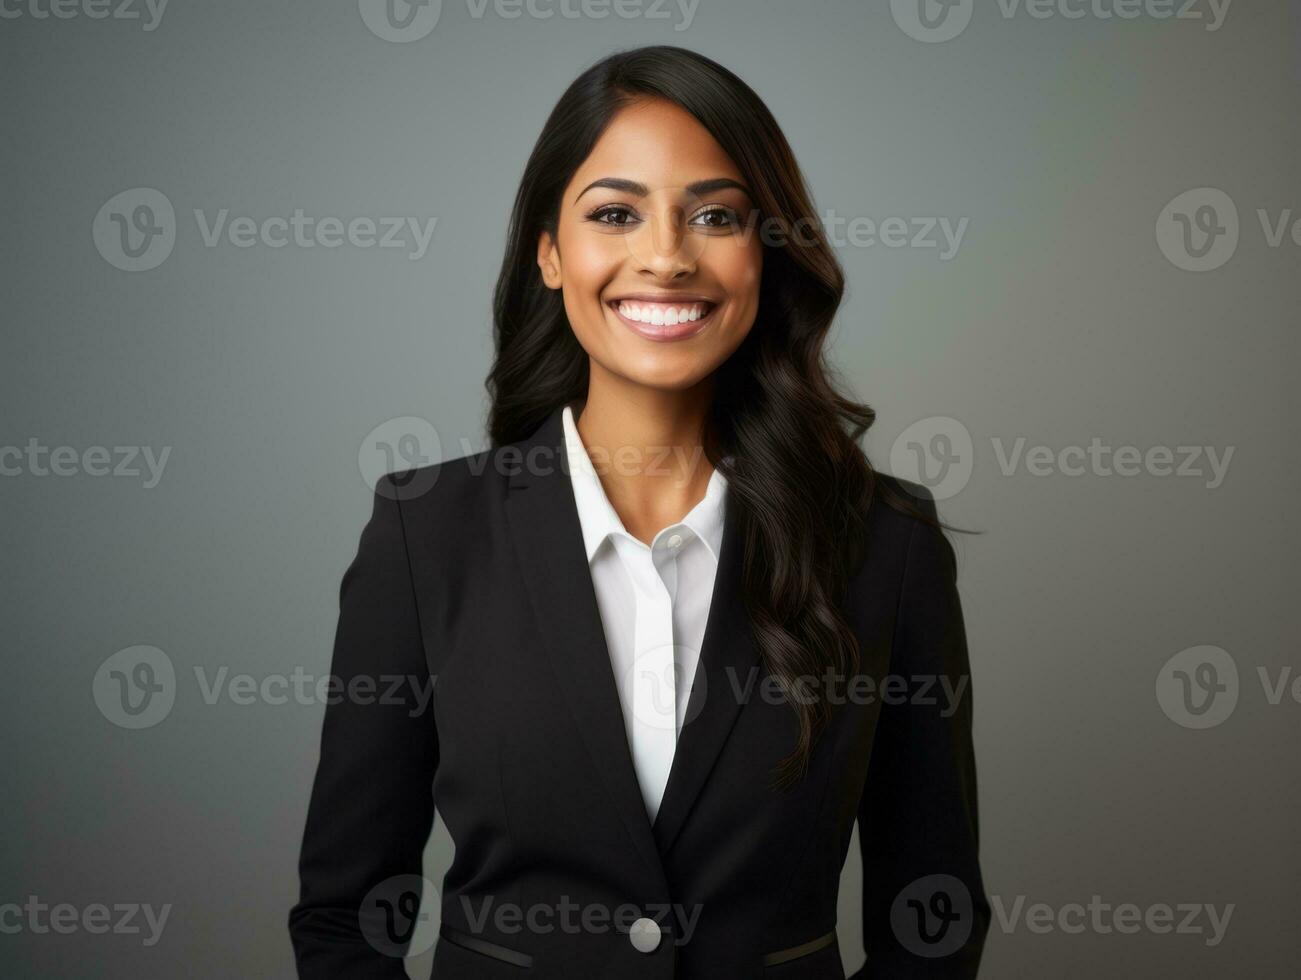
[779, 429]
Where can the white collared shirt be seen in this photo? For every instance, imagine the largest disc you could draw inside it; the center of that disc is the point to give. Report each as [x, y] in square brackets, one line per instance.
[654, 603]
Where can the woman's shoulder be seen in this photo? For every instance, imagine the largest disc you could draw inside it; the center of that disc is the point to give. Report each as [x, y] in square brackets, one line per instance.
[462, 489]
[897, 501]
[895, 525]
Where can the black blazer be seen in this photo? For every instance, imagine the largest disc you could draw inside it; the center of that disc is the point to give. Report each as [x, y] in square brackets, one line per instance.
[472, 573]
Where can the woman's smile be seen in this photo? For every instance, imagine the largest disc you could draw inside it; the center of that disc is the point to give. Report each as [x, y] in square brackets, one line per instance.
[664, 318]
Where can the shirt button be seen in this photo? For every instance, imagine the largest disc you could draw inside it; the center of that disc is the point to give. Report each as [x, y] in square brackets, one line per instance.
[675, 541]
[644, 935]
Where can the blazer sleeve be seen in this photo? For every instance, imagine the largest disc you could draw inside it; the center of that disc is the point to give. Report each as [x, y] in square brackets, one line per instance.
[371, 807]
[917, 817]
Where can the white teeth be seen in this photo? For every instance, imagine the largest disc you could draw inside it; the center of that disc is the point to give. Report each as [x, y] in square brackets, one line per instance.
[660, 315]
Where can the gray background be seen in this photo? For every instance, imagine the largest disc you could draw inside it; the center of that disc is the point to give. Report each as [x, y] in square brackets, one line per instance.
[266, 371]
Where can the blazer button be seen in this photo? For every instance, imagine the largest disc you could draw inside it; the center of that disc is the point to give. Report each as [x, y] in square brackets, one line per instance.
[644, 935]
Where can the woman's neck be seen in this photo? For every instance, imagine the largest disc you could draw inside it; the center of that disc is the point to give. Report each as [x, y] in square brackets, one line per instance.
[646, 446]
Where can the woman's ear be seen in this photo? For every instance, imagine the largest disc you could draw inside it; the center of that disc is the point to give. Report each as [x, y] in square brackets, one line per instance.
[549, 260]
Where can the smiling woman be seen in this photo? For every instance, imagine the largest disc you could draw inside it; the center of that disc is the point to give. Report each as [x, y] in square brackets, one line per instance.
[656, 677]
[667, 255]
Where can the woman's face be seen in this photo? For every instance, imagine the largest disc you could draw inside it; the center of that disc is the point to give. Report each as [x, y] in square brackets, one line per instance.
[656, 252]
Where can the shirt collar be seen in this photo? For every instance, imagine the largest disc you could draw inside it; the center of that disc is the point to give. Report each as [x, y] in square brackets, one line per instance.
[598, 517]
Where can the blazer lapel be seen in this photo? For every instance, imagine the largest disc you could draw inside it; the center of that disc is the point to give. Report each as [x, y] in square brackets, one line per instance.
[548, 537]
[724, 677]
[545, 527]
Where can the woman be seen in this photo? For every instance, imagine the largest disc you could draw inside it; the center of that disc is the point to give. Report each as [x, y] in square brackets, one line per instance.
[680, 634]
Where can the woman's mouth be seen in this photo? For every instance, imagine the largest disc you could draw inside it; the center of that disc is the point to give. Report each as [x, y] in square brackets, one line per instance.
[664, 320]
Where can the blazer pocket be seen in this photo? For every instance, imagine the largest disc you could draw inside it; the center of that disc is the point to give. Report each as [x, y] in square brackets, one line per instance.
[783, 956]
[476, 945]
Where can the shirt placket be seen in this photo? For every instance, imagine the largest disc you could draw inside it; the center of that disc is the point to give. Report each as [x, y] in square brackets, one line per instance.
[654, 676]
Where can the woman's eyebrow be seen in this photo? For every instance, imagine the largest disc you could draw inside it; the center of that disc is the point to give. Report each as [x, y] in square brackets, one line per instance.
[634, 187]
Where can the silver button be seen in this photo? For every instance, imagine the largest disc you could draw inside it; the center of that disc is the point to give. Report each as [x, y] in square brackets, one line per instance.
[644, 935]
[675, 541]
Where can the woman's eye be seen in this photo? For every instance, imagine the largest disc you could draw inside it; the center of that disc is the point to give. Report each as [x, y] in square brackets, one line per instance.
[614, 215]
[619, 216]
[718, 218]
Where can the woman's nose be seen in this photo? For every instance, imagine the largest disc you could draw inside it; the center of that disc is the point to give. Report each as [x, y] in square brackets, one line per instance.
[664, 245]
